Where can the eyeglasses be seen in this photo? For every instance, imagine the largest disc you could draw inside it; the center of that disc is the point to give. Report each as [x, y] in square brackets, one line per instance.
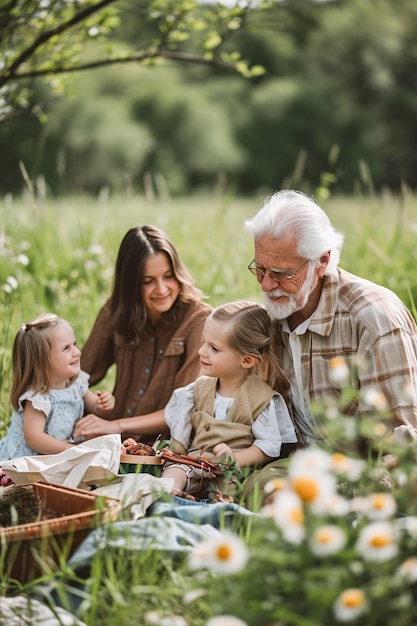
[275, 274]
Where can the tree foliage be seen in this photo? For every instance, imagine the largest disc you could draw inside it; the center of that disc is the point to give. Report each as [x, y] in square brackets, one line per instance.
[336, 104]
[50, 38]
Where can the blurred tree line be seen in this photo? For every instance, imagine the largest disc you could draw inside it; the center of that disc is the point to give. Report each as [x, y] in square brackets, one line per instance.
[337, 105]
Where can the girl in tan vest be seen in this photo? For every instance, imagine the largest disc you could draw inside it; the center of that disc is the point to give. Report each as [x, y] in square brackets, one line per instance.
[230, 413]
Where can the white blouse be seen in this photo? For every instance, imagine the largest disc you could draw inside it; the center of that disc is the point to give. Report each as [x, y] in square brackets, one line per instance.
[271, 429]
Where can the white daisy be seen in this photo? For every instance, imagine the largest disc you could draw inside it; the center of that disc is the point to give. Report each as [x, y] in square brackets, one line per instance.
[350, 605]
[311, 458]
[337, 506]
[275, 484]
[314, 488]
[351, 468]
[339, 371]
[408, 569]
[223, 554]
[225, 620]
[377, 541]
[382, 506]
[193, 595]
[375, 399]
[327, 539]
[360, 504]
[288, 514]
[409, 524]
[172, 620]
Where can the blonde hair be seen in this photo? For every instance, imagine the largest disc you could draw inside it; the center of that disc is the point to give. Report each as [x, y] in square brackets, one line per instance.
[248, 331]
[31, 356]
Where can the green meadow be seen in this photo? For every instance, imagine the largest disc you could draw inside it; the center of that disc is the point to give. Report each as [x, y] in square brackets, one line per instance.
[58, 255]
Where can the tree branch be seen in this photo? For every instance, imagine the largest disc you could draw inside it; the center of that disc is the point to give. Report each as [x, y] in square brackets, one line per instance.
[137, 58]
[10, 72]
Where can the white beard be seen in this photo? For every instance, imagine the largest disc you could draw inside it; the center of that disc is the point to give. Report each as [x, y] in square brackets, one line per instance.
[294, 301]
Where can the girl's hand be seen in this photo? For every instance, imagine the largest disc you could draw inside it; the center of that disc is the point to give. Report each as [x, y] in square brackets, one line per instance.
[105, 401]
[93, 426]
[222, 448]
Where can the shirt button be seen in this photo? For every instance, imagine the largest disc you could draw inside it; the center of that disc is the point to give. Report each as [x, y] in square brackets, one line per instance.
[141, 392]
[147, 370]
[160, 351]
[129, 411]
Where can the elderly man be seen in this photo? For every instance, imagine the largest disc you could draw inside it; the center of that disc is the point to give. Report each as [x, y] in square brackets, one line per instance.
[327, 317]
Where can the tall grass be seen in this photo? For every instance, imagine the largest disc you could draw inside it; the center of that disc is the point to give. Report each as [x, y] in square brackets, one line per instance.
[59, 256]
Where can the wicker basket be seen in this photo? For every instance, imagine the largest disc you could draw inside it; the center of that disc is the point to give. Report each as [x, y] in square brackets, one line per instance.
[42, 524]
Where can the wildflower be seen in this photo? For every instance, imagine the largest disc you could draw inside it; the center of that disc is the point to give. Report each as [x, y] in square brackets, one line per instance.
[172, 620]
[409, 524]
[314, 489]
[328, 539]
[193, 595]
[223, 554]
[154, 617]
[199, 555]
[12, 281]
[307, 459]
[377, 542]
[382, 506]
[288, 514]
[360, 504]
[23, 259]
[339, 371]
[276, 484]
[225, 620]
[350, 605]
[90, 265]
[351, 468]
[408, 569]
[96, 248]
[337, 506]
[375, 399]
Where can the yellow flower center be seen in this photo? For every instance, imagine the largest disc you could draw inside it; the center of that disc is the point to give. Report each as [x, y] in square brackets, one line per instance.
[278, 484]
[297, 516]
[323, 536]
[337, 361]
[353, 598]
[224, 552]
[378, 501]
[306, 488]
[380, 541]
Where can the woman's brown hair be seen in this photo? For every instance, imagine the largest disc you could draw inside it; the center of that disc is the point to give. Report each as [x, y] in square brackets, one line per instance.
[127, 306]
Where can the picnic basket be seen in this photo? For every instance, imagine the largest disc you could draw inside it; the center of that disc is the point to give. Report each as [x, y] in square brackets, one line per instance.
[42, 524]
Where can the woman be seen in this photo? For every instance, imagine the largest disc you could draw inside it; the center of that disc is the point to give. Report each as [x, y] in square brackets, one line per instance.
[150, 328]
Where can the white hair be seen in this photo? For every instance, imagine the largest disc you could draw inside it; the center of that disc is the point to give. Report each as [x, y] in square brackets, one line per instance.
[292, 212]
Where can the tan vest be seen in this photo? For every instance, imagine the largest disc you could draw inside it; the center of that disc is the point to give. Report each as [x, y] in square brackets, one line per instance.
[254, 395]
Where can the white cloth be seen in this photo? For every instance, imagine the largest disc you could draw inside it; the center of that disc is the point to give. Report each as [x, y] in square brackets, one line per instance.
[90, 463]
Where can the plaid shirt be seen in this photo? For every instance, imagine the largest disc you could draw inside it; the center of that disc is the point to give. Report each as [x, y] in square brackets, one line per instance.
[370, 327]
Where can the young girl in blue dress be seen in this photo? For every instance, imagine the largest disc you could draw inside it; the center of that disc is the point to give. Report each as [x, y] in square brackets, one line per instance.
[49, 390]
